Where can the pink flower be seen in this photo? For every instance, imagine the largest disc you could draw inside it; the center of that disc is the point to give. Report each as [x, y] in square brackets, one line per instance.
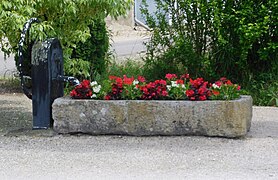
[223, 79]
[141, 79]
[185, 76]
[164, 93]
[218, 83]
[170, 76]
[163, 82]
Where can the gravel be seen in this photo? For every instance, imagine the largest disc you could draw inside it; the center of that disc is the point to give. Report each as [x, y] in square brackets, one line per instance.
[27, 154]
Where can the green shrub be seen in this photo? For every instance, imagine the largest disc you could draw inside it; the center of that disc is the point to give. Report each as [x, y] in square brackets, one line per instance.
[170, 49]
[129, 68]
[264, 91]
[236, 39]
[89, 58]
[212, 39]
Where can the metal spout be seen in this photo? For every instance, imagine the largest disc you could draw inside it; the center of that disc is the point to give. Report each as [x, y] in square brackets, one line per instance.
[72, 80]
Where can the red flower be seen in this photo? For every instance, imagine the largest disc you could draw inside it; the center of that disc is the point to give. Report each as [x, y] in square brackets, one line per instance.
[180, 81]
[198, 90]
[203, 97]
[185, 76]
[141, 79]
[170, 76]
[119, 81]
[197, 82]
[223, 79]
[229, 82]
[82, 91]
[107, 97]
[189, 93]
[218, 83]
[208, 93]
[85, 83]
[73, 93]
[164, 93]
[114, 89]
[238, 88]
[113, 77]
[89, 93]
[80, 86]
[202, 90]
[215, 92]
[128, 81]
[144, 89]
[163, 82]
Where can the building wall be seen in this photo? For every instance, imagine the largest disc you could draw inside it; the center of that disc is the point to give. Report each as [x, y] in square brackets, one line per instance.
[127, 21]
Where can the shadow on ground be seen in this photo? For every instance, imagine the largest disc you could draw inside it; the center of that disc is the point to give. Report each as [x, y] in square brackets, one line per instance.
[16, 116]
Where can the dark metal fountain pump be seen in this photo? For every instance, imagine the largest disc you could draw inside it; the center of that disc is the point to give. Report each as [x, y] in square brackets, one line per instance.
[47, 76]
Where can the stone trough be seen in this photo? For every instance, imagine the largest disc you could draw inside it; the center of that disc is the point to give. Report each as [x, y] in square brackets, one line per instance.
[147, 118]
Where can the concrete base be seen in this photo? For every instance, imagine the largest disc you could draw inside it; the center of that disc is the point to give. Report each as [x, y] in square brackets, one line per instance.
[146, 118]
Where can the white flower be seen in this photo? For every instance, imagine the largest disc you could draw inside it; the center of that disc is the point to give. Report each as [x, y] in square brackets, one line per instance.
[169, 87]
[215, 86]
[182, 86]
[94, 96]
[96, 89]
[93, 83]
[174, 83]
[135, 82]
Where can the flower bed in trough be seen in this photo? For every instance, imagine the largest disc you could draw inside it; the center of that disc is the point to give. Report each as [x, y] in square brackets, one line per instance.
[165, 107]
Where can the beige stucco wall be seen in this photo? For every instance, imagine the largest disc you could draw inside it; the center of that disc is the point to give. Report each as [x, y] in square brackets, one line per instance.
[128, 20]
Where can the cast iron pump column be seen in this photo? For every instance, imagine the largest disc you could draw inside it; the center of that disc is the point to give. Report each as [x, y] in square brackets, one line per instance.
[47, 76]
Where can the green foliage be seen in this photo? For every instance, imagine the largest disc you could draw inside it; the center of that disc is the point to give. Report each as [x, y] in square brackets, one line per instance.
[236, 39]
[170, 49]
[226, 92]
[93, 51]
[245, 33]
[264, 91]
[212, 39]
[68, 20]
[129, 68]
[78, 68]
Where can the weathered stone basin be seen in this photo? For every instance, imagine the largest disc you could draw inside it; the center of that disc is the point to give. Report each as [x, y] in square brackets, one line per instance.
[146, 118]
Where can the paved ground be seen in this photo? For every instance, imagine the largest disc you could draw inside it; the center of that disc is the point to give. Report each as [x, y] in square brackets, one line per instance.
[27, 154]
